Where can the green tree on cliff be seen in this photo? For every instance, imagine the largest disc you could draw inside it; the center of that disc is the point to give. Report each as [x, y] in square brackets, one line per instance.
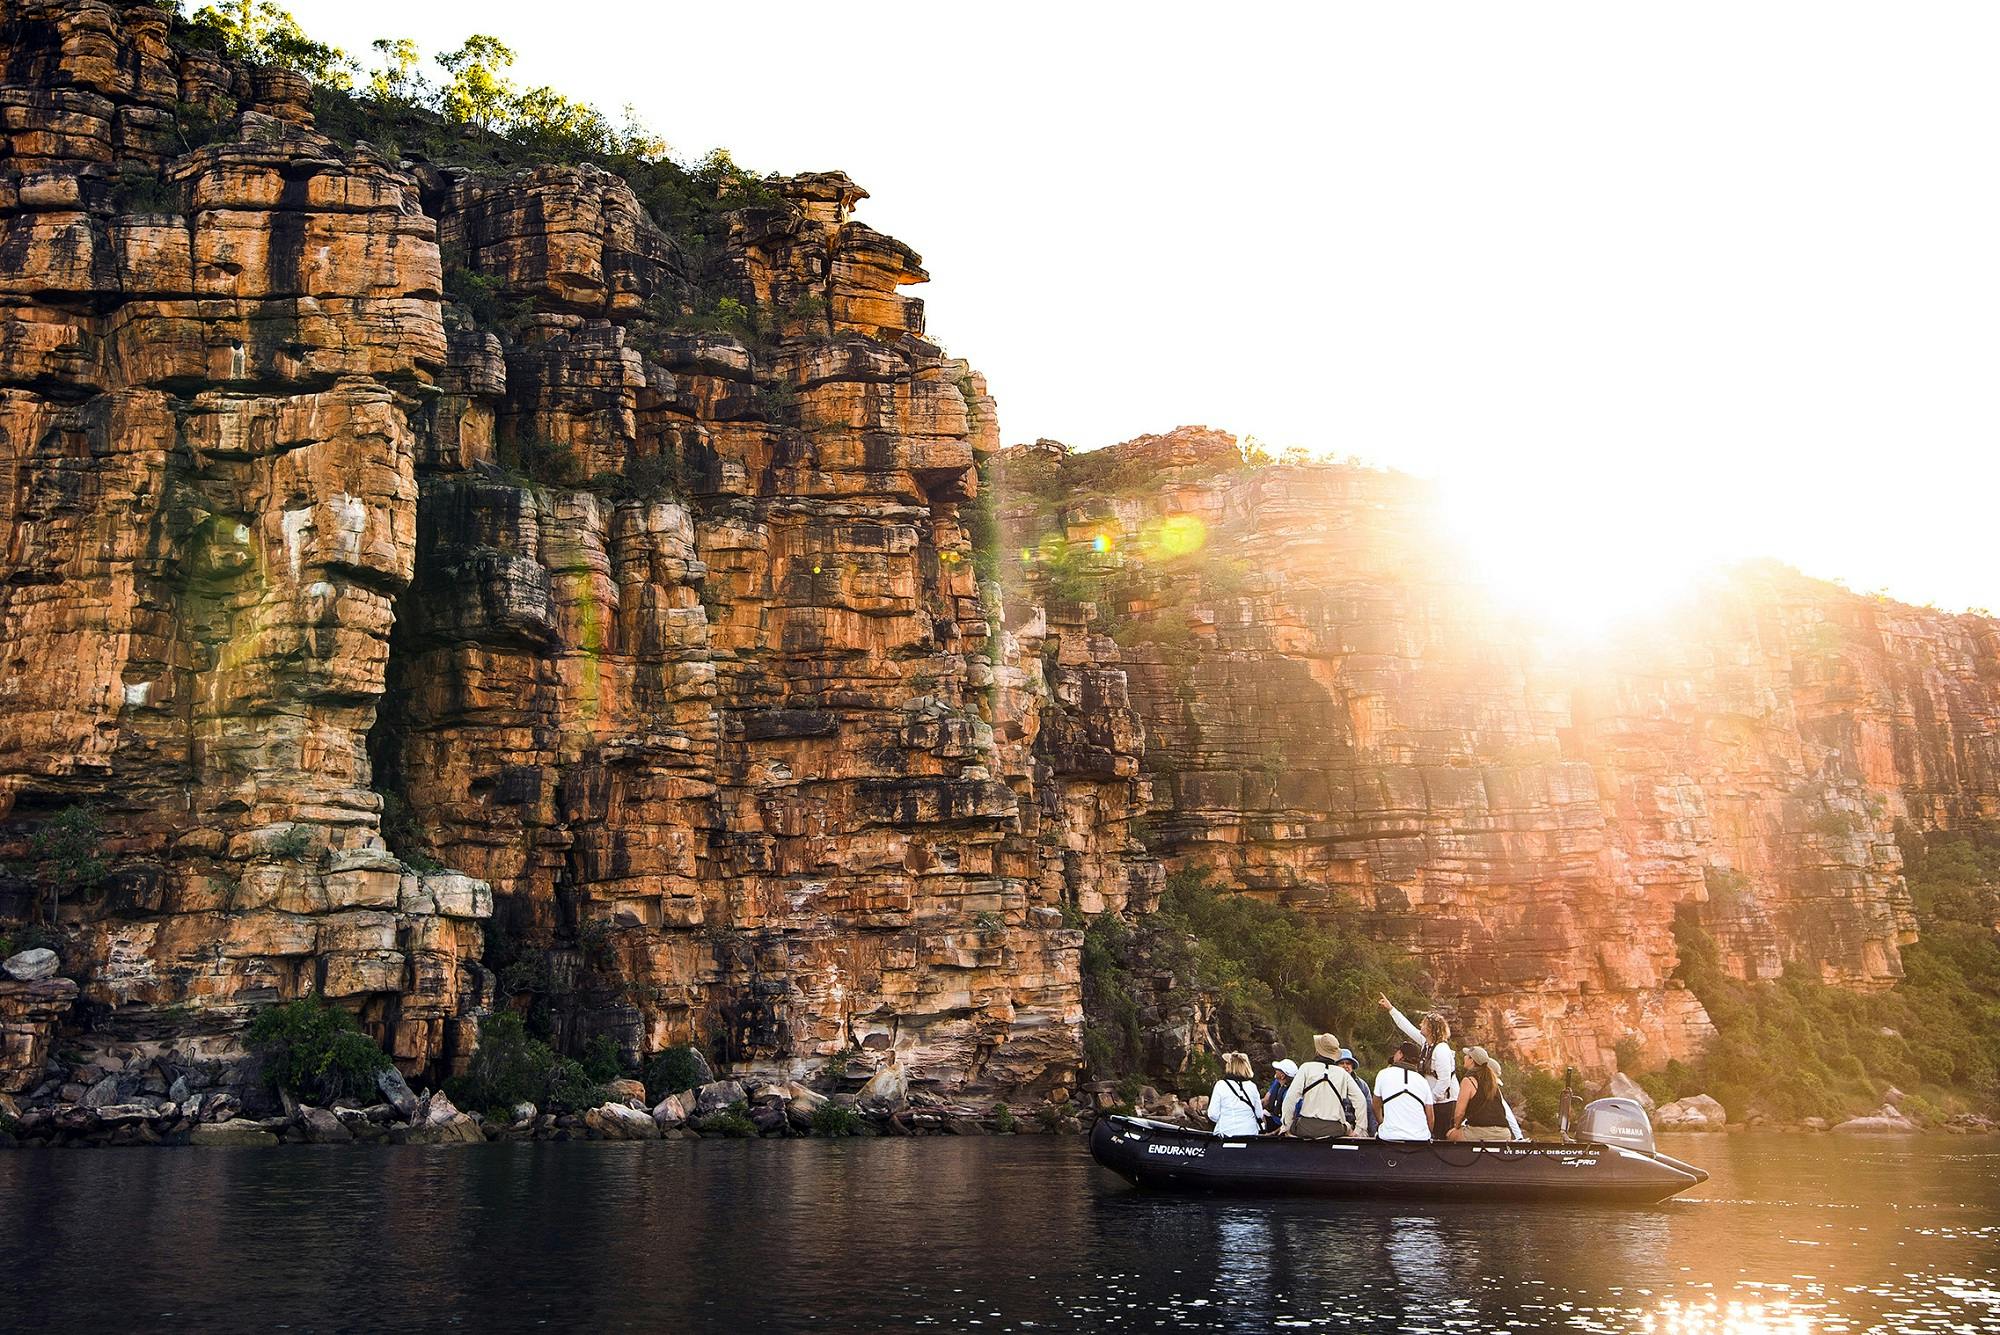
[264, 33]
[394, 79]
[480, 91]
[66, 854]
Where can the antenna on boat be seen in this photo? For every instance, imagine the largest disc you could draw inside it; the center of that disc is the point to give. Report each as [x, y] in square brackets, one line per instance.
[1568, 1097]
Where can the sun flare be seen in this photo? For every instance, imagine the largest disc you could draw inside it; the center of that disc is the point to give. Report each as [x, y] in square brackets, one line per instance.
[1575, 561]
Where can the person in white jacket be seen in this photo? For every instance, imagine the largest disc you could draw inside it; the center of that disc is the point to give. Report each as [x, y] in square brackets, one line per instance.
[1439, 1065]
[1233, 1106]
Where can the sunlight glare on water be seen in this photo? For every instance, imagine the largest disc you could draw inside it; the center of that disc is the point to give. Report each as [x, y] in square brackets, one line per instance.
[1734, 1318]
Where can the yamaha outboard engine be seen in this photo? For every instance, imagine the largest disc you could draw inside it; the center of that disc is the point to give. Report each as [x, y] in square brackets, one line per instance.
[1621, 1122]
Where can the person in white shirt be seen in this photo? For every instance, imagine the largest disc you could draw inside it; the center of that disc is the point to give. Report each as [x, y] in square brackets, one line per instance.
[1437, 1062]
[1403, 1097]
[1233, 1106]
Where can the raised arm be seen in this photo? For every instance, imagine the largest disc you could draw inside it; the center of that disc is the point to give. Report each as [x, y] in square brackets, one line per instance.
[1402, 1021]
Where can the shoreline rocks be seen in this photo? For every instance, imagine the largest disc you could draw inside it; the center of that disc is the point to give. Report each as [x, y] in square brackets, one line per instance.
[1698, 1112]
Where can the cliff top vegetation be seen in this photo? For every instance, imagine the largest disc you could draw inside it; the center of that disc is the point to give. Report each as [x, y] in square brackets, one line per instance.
[465, 108]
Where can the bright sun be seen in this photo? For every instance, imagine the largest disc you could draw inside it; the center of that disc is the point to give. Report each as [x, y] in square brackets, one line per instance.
[1577, 561]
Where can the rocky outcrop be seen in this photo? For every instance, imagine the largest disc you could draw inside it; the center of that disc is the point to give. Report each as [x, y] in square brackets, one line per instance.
[1699, 1113]
[455, 592]
[637, 587]
[1793, 727]
[1333, 719]
[30, 1014]
[210, 403]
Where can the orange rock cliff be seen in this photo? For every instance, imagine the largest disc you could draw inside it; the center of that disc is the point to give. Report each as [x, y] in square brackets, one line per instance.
[641, 667]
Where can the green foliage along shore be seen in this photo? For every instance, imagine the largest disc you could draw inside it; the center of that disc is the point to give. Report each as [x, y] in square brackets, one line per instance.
[314, 1049]
[1267, 966]
[511, 1066]
[1799, 1047]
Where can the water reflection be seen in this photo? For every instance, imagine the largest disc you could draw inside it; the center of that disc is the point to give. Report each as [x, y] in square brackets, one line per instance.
[1016, 1234]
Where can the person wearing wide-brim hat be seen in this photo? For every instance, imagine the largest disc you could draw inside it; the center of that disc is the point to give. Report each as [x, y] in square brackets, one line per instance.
[1481, 1112]
[1325, 1102]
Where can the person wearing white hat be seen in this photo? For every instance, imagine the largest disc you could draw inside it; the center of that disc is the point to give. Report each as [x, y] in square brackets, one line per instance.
[1283, 1072]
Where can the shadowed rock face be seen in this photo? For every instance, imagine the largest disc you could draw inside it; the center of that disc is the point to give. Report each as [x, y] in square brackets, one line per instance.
[742, 760]
[1333, 720]
[209, 418]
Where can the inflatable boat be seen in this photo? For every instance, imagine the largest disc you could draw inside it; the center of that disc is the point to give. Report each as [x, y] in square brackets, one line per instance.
[1612, 1161]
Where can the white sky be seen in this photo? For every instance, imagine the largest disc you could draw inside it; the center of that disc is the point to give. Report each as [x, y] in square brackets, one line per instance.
[1645, 287]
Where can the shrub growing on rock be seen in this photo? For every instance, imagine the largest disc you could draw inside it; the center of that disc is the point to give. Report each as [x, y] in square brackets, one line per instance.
[835, 1119]
[314, 1049]
[733, 1121]
[1203, 1070]
[602, 1061]
[571, 1088]
[673, 1070]
[647, 477]
[66, 854]
[1541, 1097]
[510, 1066]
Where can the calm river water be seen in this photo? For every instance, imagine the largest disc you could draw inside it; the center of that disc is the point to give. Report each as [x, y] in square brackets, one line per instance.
[1003, 1234]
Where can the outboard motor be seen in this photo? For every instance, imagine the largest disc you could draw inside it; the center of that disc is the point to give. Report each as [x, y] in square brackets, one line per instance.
[1621, 1122]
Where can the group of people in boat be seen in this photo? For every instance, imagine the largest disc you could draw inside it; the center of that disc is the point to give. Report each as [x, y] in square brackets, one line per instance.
[1427, 1092]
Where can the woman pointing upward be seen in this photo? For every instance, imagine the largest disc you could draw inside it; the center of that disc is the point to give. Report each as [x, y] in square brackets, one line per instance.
[1439, 1064]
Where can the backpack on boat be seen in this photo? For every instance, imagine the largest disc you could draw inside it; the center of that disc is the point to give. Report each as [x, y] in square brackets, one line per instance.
[1321, 1128]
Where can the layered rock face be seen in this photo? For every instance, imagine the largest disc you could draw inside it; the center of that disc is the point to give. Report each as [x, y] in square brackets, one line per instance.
[454, 592]
[1333, 720]
[662, 632]
[209, 415]
[1806, 724]
[752, 768]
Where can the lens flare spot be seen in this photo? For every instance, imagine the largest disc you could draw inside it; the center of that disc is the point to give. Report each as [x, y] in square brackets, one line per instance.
[1101, 543]
[1182, 534]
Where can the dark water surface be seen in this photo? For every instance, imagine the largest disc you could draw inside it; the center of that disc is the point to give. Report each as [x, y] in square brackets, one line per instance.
[1002, 1234]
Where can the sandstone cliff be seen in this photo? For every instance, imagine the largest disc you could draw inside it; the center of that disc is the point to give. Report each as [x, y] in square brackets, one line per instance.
[458, 592]
[1333, 719]
[661, 632]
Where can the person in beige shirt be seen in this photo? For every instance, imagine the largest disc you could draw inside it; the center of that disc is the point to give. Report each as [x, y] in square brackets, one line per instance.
[1325, 1101]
